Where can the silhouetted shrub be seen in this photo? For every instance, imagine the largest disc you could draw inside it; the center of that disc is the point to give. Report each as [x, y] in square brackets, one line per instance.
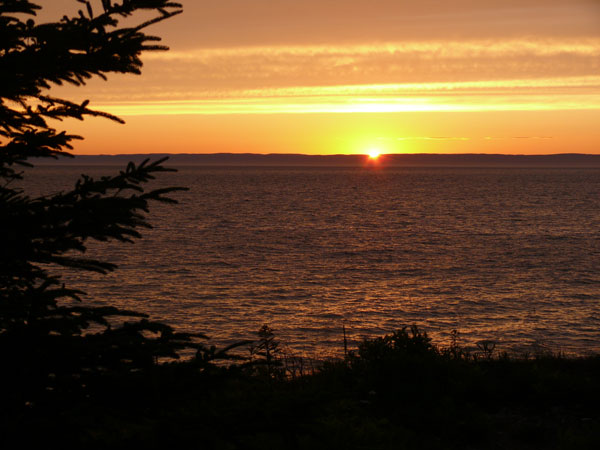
[399, 345]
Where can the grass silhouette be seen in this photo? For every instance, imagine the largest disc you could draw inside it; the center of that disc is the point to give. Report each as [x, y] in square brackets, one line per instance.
[396, 391]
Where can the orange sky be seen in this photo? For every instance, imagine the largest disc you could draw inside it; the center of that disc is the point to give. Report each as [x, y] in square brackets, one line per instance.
[333, 76]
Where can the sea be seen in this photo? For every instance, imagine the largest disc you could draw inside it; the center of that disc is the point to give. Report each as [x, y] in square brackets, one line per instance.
[508, 255]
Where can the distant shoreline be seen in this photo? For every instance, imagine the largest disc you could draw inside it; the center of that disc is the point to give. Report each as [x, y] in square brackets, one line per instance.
[561, 160]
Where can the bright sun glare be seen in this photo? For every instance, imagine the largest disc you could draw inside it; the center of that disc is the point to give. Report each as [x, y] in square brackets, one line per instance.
[374, 153]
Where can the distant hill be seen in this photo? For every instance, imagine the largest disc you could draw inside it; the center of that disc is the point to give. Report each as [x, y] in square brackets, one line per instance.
[393, 160]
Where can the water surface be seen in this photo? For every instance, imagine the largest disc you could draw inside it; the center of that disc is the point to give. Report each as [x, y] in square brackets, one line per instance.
[510, 255]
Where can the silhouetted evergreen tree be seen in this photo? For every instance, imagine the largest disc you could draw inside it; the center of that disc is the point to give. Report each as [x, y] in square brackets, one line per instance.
[49, 339]
[265, 351]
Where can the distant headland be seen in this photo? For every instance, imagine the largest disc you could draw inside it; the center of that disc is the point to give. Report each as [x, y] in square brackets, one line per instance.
[389, 160]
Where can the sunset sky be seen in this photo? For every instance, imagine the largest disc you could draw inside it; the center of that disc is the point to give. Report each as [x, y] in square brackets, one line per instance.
[345, 76]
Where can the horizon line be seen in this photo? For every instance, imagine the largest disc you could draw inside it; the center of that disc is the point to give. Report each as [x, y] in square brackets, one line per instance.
[335, 154]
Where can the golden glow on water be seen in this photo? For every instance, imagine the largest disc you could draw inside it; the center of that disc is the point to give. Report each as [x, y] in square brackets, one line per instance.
[372, 249]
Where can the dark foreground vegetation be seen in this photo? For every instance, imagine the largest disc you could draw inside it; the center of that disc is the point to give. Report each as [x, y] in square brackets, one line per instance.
[396, 392]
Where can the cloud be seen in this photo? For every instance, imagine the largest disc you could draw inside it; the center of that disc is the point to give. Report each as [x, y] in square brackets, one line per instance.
[494, 138]
[429, 49]
[562, 93]
[531, 137]
[557, 66]
[474, 75]
[457, 138]
[377, 63]
[357, 104]
[432, 138]
[234, 23]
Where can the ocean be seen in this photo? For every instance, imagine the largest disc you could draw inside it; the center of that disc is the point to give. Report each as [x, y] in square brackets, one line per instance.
[509, 255]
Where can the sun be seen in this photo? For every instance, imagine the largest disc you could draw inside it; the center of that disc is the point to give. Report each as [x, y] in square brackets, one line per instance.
[374, 153]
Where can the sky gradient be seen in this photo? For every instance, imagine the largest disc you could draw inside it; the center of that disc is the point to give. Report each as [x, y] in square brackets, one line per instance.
[332, 76]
